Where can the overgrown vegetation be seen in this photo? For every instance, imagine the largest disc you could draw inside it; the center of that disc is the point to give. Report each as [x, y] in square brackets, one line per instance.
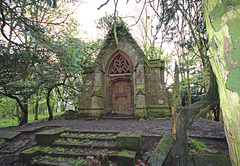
[41, 58]
[107, 23]
[198, 146]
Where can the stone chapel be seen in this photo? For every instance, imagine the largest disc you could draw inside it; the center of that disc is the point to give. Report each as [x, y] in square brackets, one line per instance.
[124, 81]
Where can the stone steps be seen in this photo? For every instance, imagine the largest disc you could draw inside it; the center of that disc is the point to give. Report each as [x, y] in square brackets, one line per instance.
[69, 147]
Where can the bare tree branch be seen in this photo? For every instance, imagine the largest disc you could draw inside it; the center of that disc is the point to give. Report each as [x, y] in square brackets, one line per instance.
[103, 5]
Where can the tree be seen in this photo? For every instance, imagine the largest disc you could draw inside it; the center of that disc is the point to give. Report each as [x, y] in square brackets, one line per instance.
[38, 51]
[223, 21]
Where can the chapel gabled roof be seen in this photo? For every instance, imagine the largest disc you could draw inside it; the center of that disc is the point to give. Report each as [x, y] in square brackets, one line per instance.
[123, 34]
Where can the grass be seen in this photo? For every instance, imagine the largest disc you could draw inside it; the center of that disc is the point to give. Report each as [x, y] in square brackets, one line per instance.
[6, 122]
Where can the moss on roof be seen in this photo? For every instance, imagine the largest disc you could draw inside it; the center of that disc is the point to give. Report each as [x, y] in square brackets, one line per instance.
[123, 33]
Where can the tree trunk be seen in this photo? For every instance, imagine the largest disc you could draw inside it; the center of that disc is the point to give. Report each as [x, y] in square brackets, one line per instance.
[206, 72]
[189, 100]
[176, 103]
[24, 108]
[36, 110]
[63, 106]
[223, 22]
[18, 112]
[186, 116]
[49, 105]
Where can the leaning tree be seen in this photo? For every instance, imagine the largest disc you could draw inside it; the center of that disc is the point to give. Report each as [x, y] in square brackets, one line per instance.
[223, 22]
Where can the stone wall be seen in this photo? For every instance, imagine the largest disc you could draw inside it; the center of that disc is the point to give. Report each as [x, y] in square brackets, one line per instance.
[148, 94]
[157, 102]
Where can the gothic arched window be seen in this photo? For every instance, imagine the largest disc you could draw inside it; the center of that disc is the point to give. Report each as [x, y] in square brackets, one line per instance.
[119, 65]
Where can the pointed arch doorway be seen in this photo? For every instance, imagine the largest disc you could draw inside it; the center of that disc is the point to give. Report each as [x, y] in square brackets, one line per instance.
[119, 69]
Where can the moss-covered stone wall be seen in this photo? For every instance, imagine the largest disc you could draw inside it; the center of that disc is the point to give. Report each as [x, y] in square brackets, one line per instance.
[85, 97]
[146, 81]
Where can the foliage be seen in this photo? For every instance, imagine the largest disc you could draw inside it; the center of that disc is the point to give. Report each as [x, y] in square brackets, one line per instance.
[6, 122]
[39, 51]
[122, 30]
[199, 146]
[142, 119]
[192, 76]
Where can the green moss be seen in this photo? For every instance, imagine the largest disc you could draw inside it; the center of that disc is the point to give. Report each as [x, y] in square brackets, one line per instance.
[219, 10]
[26, 155]
[2, 141]
[161, 152]
[234, 32]
[49, 136]
[216, 16]
[158, 110]
[129, 142]
[199, 146]
[53, 131]
[97, 92]
[127, 153]
[233, 80]
[123, 35]
[141, 112]
[31, 150]
[9, 134]
[211, 159]
[126, 158]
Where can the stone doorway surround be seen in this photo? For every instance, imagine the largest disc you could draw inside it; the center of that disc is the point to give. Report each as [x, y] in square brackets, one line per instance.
[120, 90]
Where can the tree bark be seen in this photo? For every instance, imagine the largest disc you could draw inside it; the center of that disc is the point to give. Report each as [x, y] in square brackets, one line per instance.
[205, 64]
[36, 110]
[63, 106]
[49, 105]
[223, 22]
[189, 100]
[186, 116]
[24, 117]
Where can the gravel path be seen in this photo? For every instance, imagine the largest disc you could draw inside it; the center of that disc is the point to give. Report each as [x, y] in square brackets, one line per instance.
[209, 132]
[201, 128]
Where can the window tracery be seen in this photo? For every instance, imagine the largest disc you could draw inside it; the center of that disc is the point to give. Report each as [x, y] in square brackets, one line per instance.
[120, 65]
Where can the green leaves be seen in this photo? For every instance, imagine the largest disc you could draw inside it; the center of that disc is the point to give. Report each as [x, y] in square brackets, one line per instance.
[39, 51]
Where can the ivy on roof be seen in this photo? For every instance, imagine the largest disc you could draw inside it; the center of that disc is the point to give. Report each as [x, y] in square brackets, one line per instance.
[123, 33]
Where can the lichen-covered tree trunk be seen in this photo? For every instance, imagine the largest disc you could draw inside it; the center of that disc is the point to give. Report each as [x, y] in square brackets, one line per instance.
[223, 28]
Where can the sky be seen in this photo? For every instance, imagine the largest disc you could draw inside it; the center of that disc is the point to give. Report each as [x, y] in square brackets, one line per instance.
[87, 14]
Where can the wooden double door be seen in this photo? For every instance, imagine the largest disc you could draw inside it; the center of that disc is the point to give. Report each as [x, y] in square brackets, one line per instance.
[121, 97]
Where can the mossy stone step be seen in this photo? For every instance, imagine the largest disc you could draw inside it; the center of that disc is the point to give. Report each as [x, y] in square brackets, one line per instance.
[90, 138]
[74, 144]
[111, 136]
[129, 142]
[29, 155]
[126, 158]
[211, 159]
[75, 153]
[92, 132]
[92, 146]
[57, 161]
[9, 134]
[49, 136]
[161, 152]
